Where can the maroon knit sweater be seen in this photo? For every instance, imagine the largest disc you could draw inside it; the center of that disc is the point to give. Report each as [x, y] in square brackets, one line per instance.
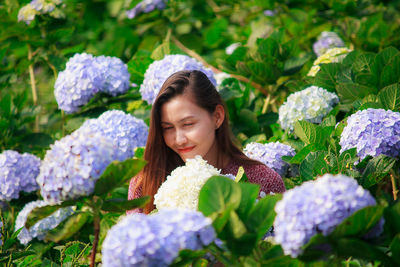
[262, 175]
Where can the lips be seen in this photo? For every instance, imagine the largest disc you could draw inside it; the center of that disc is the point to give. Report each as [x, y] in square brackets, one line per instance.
[186, 149]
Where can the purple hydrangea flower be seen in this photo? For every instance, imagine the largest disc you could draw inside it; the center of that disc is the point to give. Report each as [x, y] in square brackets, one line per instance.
[146, 6]
[18, 173]
[73, 164]
[160, 70]
[318, 207]
[115, 75]
[373, 132]
[271, 155]
[325, 41]
[1, 225]
[156, 239]
[269, 13]
[39, 229]
[125, 130]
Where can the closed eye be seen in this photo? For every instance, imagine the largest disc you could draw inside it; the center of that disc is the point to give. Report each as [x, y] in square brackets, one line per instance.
[188, 124]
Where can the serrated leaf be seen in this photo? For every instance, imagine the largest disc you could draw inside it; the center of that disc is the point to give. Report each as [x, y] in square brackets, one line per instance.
[314, 165]
[69, 227]
[306, 131]
[376, 169]
[326, 76]
[389, 97]
[391, 72]
[352, 91]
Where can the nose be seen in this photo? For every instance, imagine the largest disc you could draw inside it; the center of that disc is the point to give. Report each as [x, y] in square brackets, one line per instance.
[180, 138]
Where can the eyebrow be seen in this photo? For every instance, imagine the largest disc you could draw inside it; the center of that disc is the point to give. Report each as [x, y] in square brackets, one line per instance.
[183, 119]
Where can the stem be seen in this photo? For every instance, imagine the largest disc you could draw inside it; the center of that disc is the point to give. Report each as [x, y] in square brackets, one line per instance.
[395, 190]
[33, 85]
[193, 54]
[266, 103]
[96, 224]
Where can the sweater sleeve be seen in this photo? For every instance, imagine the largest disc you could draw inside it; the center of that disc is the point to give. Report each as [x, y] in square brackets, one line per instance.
[132, 194]
[268, 179]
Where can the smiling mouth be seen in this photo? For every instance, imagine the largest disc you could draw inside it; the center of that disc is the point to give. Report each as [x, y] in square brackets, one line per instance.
[186, 149]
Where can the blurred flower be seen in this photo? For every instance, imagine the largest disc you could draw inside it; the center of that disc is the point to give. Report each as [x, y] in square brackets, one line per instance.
[311, 104]
[220, 77]
[156, 239]
[331, 55]
[325, 41]
[160, 70]
[39, 229]
[73, 164]
[146, 6]
[85, 76]
[271, 155]
[269, 13]
[39, 7]
[318, 207]
[373, 132]
[182, 187]
[18, 173]
[115, 74]
[125, 130]
[231, 48]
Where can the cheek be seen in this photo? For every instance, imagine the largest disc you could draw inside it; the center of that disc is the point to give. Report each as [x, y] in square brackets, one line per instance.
[168, 138]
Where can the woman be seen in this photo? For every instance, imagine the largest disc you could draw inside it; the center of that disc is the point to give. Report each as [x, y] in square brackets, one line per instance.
[189, 118]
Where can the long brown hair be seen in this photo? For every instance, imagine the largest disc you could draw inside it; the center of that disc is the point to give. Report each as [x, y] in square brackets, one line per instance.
[161, 159]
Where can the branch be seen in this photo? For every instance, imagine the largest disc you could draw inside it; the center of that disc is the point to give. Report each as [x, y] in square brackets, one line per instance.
[216, 70]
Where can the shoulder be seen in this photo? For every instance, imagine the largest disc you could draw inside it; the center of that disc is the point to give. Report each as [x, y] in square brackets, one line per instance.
[134, 191]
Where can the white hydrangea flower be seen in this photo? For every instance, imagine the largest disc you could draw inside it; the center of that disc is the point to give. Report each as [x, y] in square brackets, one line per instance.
[220, 77]
[182, 187]
[332, 55]
[231, 48]
[311, 104]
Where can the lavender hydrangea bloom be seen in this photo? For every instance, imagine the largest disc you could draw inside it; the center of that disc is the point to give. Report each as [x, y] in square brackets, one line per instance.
[271, 155]
[373, 132]
[39, 229]
[146, 6]
[73, 164]
[78, 83]
[311, 104]
[318, 207]
[124, 129]
[160, 70]
[156, 239]
[325, 41]
[115, 75]
[18, 173]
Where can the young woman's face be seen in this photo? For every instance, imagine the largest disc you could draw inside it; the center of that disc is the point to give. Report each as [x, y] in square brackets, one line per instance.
[189, 130]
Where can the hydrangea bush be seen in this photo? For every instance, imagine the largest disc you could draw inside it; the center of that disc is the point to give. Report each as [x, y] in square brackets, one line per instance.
[318, 207]
[146, 6]
[271, 155]
[124, 129]
[182, 187]
[73, 164]
[39, 7]
[85, 76]
[155, 240]
[311, 104]
[18, 173]
[327, 40]
[39, 229]
[373, 132]
[160, 70]
[331, 55]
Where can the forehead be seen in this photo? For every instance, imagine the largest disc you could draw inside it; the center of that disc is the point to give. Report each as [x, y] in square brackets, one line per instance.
[181, 107]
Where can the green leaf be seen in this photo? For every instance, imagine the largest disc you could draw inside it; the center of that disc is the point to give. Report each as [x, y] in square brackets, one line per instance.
[69, 227]
[391, 72]
[241, 175]
[212, 35]
[116, 174]
[248, 200]
[166, 48]
[5, 106]
[376, 169]
[359, 223]
[392, 219]
[122, 205]
[352, 91]
[294, 64]
[314, 249]
[314, 165]
[302, 154]
[326, 76]
[139, 152]
[389, 97]
[235, 226]
[5, 257]
[395, 248]
[268, 47]
[306, 131]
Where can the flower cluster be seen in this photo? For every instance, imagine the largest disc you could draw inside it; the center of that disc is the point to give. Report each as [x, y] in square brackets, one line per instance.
[156, 239]
[39, 229]
[85, 76]
[146, 6]
[73, 164]
[271, 155]
[318, 207]
[125, 130]
[331, 55]
[373, 132]
[311, 104]
[39, 7]
[182, 187]
[327, 40]
[160, 70]
[18, 173]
